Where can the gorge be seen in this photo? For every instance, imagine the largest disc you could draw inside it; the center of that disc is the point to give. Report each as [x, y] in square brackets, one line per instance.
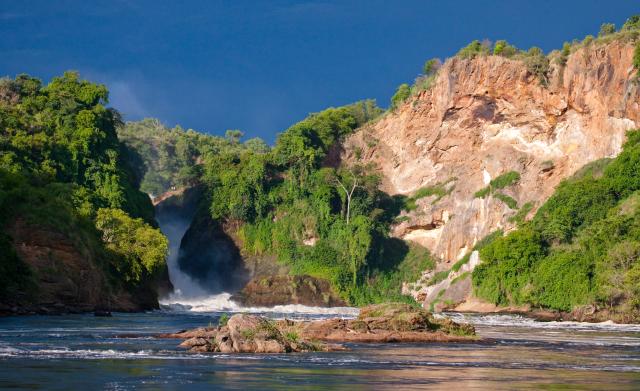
[480, 232]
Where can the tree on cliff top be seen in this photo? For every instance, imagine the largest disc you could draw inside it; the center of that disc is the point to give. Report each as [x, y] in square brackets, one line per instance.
[403, 92]
[138, 248]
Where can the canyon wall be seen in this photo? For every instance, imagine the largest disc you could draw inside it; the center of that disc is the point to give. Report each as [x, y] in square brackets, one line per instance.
[487, 116]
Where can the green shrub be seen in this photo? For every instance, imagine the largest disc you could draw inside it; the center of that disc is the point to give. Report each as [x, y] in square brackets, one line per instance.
[562, 281]
[503, 48]
[475, 48]
[223, 320]
[511, 203]
[139, 249]
[463, 261]
[438, 277]
[482, 193]
[581, 247]
[519, 217]
[506, 265]
[423, 83]
[633, 23]
[606, 29]
[500, 182]
[460, 277]
[505, 180]
[588, 40]
[402, 94]
[439, 190]
[385, 283]
[537, 64]
[564, 53]
[431, 66]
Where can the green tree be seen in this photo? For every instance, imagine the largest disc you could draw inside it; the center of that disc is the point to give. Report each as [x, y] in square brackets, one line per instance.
[606, 29]
[633, 23]
[475, 48]
[538, 64]
[431, 66]
[503, 48]
[402, 94]
[234, 136]
[139, 249]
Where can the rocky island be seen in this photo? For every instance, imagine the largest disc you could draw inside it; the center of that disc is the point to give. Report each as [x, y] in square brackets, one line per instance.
[380, 323]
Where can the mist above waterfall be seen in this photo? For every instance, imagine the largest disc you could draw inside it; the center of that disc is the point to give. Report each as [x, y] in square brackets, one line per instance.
[174, 216]
[203, 260]
[174, 225]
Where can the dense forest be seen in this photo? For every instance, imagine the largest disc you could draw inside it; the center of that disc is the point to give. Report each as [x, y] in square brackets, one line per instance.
[171, 157]
[62, 166]
[316, 216]
[69, 162]
[582, 247]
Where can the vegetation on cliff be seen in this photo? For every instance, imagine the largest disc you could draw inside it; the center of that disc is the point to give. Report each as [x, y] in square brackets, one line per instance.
[61, 164]
[166, 157]
[322, 221]
[581, 248]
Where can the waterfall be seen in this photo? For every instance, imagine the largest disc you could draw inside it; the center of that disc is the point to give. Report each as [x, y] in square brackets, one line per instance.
[174, 220]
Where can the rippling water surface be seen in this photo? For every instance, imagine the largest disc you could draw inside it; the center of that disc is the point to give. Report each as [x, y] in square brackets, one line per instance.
[88, 353]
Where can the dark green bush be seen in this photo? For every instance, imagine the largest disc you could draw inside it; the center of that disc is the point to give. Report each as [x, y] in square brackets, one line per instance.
[506, 266]
[562, 281]
[15, 275]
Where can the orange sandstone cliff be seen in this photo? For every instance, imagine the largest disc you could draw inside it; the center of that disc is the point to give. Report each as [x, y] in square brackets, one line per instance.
[484, 117]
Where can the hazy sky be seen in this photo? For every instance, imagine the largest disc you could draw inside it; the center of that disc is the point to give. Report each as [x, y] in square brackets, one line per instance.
[260, 66]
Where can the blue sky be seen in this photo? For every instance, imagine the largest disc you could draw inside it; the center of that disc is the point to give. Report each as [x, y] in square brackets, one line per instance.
[260, 66]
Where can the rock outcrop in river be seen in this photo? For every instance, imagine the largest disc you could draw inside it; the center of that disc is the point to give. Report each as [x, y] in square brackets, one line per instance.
[381, 323]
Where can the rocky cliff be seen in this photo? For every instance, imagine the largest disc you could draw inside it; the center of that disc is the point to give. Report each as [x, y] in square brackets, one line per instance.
[68, 275]
[488, 116]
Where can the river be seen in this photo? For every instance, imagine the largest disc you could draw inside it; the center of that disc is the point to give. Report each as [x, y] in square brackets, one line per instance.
[83, 352]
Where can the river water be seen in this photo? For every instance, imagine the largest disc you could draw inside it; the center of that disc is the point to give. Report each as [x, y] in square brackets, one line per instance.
[83, 352]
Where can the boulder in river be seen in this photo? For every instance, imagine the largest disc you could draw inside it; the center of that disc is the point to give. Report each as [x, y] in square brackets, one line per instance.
[382, 323]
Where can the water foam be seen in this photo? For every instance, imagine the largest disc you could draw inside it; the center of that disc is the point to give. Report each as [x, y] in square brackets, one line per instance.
[522, 321]
[222, 303]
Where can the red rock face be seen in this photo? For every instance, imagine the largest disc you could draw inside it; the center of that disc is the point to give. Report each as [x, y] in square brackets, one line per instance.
[488, 116]
[279, 290]
[66, 274]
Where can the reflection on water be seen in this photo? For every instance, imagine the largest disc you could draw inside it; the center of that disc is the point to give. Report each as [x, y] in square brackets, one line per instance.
[82, 352]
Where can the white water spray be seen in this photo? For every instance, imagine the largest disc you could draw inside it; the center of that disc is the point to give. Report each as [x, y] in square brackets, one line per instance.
[189, 295]
[185, 288]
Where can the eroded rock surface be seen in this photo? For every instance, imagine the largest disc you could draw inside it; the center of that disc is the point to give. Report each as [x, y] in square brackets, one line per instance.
[382, 323]
[66, 276]
[485, 117]
[269, 291]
